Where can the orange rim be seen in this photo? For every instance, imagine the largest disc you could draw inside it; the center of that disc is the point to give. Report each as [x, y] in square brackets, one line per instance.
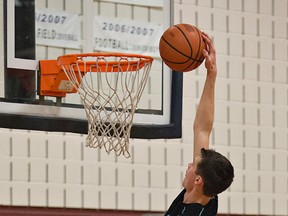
[106, 66]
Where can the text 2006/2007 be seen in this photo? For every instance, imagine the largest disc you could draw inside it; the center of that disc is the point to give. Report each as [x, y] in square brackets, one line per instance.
[130, 29]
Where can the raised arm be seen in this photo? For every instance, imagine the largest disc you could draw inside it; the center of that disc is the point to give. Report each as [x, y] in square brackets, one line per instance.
[204, 119]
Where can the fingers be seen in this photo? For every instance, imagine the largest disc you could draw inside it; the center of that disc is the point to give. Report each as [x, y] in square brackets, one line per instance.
[205, 53]
[209, 42]
[210, 54]
[206, 38]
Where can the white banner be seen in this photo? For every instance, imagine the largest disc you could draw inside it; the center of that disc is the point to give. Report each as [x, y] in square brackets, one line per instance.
[127, 36]
[57, 28]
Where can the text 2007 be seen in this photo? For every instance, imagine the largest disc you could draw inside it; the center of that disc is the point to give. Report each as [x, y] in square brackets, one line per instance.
[49, 18]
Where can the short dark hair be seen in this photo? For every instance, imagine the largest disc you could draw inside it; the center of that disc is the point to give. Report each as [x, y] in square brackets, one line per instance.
[216, 170]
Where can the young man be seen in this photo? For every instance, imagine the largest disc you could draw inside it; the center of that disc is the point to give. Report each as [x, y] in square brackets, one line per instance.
[210, 173]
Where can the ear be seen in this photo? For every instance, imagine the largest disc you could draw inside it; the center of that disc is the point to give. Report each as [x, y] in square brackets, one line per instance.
[198, 180]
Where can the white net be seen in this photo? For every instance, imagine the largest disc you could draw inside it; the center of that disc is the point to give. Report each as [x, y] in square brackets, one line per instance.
[110, 87]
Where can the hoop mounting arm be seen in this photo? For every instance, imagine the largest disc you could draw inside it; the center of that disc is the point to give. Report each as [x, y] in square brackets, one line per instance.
[53, 80]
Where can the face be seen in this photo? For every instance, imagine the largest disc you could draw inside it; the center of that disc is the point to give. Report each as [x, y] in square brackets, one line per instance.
[190, 176]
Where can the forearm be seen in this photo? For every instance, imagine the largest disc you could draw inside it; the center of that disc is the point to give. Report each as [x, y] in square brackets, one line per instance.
[204, 118]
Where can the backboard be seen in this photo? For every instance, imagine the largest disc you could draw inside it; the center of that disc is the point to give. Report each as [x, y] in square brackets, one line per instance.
[39, 30]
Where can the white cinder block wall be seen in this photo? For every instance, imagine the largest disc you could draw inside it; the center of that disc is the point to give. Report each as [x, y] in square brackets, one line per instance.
[251, 119]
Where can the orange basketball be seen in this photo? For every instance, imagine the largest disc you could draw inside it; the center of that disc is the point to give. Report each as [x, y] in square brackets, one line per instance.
[181, 47]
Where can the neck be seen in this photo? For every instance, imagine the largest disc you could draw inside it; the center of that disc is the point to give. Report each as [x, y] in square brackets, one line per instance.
[195, 197]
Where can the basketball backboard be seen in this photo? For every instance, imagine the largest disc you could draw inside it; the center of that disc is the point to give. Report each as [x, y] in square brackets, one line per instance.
[39, 30]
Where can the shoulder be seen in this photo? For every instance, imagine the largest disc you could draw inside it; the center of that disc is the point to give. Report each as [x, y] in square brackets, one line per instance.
[197, 209]
[212, 207]
[213, 202]
[177, 204]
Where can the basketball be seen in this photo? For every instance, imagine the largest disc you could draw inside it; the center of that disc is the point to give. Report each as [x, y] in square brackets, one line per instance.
[181, 47]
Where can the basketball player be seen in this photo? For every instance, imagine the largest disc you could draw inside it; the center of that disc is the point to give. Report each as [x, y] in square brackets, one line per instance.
[210, 173]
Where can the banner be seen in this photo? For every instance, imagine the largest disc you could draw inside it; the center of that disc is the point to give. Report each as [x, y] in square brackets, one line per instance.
[127, 36]
[57, 28]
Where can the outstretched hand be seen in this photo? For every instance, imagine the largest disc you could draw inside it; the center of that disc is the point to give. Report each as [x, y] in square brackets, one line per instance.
[210, 54]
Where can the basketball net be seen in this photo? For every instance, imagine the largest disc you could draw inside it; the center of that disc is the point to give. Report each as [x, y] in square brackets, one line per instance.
[110, 87]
